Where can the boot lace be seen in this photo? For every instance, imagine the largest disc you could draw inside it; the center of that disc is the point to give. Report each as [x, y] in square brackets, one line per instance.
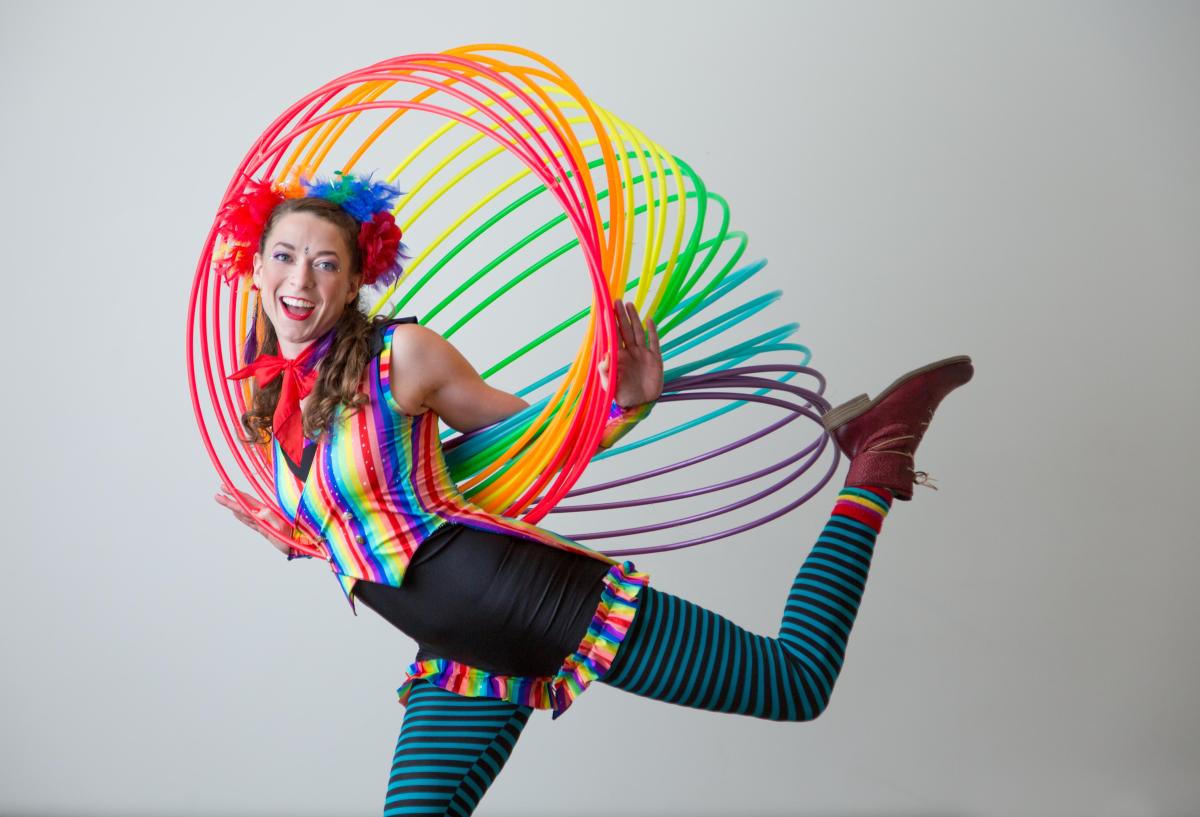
[919, 477]
[922, 478]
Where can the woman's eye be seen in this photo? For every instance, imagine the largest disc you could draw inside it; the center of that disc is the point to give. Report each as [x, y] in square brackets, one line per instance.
[329, 266]
[282, 257]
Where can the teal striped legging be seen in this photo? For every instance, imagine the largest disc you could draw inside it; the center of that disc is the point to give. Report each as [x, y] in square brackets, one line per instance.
[451, 747]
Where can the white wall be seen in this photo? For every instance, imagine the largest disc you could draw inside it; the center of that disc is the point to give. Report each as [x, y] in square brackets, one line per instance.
[1014, 181]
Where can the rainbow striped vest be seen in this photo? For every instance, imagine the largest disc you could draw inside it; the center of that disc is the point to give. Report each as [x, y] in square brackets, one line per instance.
[378, 486]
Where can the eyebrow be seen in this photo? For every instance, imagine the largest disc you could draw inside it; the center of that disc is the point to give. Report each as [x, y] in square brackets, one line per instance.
[293, 249]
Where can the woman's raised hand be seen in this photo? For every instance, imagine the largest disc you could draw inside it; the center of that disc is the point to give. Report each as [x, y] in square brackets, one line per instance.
[263, 519]
[639, 361]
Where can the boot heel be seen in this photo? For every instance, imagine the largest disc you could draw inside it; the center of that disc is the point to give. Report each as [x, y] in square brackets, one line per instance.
[839, 416]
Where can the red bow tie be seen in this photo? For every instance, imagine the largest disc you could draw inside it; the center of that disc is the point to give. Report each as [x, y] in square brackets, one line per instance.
[299, 377]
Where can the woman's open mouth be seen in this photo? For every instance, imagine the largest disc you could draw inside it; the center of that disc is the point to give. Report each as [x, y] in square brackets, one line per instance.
[297, 309]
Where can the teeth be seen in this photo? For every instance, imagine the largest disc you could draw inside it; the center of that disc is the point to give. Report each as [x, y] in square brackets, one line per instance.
[298, 303]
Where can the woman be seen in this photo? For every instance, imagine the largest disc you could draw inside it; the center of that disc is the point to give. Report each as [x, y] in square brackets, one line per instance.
[510, 617]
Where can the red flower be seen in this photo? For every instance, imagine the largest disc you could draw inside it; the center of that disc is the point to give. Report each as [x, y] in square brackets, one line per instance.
[379, 240]
[241, 221]
[245, 214]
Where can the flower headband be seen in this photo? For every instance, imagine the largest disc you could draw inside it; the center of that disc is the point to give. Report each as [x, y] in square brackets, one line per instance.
[244, 216]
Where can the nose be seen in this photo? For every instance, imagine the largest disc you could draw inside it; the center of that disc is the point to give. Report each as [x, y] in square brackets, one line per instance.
[301, 275]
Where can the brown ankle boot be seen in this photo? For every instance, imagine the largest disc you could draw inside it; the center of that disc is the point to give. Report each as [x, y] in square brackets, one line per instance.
[881, 436]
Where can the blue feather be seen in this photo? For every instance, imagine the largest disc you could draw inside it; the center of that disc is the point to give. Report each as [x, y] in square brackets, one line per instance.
[360, 197]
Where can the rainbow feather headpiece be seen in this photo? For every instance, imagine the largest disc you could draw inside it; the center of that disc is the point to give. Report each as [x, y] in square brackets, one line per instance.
[244, 216]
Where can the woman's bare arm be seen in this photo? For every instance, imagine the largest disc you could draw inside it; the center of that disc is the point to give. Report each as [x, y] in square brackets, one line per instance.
[428, 373]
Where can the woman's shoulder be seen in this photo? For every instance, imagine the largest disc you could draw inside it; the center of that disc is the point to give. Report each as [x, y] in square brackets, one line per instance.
[390, 326]
[416, 354]
[415, 345]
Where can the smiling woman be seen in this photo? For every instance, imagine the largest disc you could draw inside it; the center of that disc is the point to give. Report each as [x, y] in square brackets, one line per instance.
[510, 617]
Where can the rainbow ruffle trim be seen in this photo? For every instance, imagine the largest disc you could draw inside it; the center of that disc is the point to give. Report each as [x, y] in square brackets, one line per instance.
[595, 654]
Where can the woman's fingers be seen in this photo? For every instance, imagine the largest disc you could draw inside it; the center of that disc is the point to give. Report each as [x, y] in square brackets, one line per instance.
[238, 513]
[652, 334]
[624, 330]
[249, 499]
[259, 518]
[629, 325]
[635, 320]
[232, 506]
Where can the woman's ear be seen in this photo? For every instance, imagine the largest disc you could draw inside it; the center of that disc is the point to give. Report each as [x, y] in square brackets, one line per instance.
[257, 274]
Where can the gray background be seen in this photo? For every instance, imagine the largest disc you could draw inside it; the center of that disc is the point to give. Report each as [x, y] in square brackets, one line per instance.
[1015, 181]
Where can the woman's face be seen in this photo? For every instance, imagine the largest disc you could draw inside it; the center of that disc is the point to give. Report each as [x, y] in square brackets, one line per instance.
[304, 279]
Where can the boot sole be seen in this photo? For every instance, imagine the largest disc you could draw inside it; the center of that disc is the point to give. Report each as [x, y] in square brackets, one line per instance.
[837, 417]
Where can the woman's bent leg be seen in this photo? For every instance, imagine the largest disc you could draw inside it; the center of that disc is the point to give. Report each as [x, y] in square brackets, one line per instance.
[680, 652]
[450, 750]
